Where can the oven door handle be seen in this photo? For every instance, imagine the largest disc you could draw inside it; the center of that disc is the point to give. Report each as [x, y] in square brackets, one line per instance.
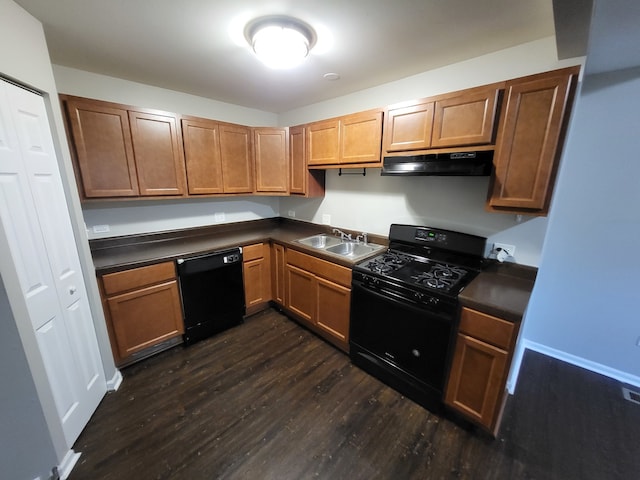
[402, 301]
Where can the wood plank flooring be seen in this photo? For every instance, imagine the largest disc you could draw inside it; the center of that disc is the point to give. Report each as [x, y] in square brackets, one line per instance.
[269, 400]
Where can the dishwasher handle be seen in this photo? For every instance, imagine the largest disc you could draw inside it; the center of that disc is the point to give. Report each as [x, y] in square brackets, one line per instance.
[209, 261]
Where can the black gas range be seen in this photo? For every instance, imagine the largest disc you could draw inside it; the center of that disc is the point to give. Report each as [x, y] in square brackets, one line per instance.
[404, 305]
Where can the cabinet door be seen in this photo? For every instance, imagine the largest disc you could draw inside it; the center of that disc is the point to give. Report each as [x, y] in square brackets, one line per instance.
[202, 156]
[361, 137]
[271, 148]
[158, 154]
[301, 293]
[278, 274]
[323, 143]
[408, 128]
[534, 116]
[101, 141]
[477, 380]
[237, 160]
[257, 276]
[465, 119]
[333, 307]
[145, 317]
[298, 163]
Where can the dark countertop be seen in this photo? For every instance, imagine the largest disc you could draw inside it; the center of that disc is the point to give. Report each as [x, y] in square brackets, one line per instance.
[502, 290]
[119, 253]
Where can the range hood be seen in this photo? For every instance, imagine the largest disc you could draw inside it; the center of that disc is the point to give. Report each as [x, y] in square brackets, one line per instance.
[456, 163]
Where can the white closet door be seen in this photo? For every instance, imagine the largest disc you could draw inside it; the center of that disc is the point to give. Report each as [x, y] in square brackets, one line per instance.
[37, 229]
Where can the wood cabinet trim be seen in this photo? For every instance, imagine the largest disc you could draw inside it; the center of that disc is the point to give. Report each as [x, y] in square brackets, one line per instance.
[487, 328]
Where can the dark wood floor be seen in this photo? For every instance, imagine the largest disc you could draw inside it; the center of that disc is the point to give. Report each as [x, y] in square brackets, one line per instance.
[269, 400]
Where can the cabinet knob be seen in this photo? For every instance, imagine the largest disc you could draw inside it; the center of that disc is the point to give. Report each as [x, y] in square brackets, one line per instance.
[72, 289]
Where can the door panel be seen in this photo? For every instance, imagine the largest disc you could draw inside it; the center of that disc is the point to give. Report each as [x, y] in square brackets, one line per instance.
[36, 232]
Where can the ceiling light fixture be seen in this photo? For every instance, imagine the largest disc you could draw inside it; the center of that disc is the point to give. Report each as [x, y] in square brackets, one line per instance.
[280, 42]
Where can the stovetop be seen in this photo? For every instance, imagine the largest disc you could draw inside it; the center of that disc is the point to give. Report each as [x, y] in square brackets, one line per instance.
[418, 272]
[425, 259]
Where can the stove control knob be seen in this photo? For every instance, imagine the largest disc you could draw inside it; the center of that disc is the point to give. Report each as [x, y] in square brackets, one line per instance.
[418, 295]
[434, 301]
[375, 281]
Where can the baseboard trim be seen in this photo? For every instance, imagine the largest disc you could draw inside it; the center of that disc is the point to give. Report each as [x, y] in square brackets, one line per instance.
[68, 462]
[114, 383]
[583, 363]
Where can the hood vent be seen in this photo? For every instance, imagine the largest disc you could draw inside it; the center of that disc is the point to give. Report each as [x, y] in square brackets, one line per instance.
[456, 163]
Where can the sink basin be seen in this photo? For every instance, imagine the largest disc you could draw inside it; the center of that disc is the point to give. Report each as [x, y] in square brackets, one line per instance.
[320, 241]
[338, 247]
[352, 249]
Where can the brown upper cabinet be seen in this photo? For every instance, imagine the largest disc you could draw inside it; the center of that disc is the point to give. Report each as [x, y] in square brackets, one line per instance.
[217, 156]
[124, 152]
[460, 119]
[237, 158]
[348, 141]
[302, 181]
[271, 147]
[533, 122]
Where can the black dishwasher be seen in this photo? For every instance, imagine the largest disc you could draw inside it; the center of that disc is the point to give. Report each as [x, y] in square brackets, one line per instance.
[212, 293]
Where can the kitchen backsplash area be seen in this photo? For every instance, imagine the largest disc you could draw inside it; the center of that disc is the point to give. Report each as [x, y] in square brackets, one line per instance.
[368, 203]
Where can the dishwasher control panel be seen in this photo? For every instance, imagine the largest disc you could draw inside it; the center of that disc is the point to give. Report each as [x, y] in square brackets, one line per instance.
[232, 258]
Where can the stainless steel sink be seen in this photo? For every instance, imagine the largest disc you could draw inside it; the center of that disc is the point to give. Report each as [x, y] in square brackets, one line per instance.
[319, 241]
[353, 249]
[341, 248]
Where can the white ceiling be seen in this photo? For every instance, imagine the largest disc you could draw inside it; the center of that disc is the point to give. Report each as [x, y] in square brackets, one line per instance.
[189, 46]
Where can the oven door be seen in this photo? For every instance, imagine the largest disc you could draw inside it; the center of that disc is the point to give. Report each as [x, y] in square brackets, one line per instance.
[400, 341]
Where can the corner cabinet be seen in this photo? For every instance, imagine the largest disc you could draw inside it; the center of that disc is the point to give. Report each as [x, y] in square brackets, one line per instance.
[143, 311]
[302, 181]
[121, 151]
[318, 293]
[348, 141]
[477, 380]
[256, 270]
[459, 119]
[533, 122]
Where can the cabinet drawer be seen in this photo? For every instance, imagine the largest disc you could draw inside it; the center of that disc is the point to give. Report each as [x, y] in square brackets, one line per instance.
[487, 328]
[138, 277]
[252, 252]
[330, 271]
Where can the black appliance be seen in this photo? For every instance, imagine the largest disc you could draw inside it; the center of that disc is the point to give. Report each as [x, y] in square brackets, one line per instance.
[404, 307]
[457, 163]
[212, 293]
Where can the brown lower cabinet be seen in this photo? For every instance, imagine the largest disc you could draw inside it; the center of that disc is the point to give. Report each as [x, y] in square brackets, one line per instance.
[319, 294]
[143, 310]
[256, 270]
[477, 381]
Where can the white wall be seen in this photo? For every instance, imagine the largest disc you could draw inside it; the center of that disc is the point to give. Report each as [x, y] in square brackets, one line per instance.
[26, 450]
[129, 218]
[584, 305]
[372, 203]
[111, 89]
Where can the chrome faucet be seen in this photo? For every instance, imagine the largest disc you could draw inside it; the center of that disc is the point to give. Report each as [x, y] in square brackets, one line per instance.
[362, 236]
[343, 236]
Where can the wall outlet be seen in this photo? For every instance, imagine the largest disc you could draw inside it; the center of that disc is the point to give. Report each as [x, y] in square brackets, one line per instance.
[100, 228]
[219, 217]
[326, 219]
[510, 250]
[292, 213]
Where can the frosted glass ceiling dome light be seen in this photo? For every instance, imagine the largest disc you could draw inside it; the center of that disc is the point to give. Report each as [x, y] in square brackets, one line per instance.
[280, 42]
